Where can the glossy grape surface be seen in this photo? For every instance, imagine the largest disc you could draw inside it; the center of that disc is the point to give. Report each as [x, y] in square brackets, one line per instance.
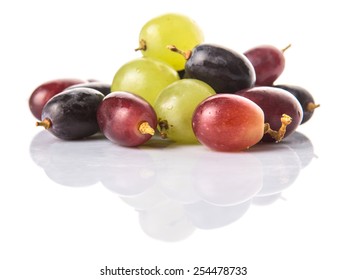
[145, 77]
[170, 29]
[120, 116]
[275, 102]
[46, 91]
[71, 114]
[305, 99]
[227, 122]
[225, 70]
[175, 106]
[104, 88]
[268, 62]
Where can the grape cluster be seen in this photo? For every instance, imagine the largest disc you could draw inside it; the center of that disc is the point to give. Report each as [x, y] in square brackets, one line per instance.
[181, 89]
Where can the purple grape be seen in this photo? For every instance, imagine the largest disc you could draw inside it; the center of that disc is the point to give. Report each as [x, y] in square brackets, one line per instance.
[305, 99]
[268, 62]
[71, 114]
[104, 88]
[225, 70]
[278, 106]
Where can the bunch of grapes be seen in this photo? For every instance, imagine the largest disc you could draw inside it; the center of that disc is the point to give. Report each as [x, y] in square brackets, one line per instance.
[181, 89]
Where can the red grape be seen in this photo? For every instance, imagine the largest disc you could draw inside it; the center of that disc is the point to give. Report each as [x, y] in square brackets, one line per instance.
[275, 103]
[227, 122]
[126, 119]
[268, 62]
[46, 91]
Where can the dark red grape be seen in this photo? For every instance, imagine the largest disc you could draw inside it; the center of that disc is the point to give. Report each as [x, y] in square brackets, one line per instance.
[71, 114]
[275, 103]
[225, 70]
[305, 99]
[228, 122]
[268, 62]
[46, 91]
[104, 88]
[126, 119]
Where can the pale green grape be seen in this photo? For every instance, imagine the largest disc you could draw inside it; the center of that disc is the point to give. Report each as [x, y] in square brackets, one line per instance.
[175, 106]
[169, 29]
[145, 77]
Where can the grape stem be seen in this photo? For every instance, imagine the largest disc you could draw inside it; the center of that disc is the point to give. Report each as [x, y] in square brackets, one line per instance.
[163, 125]
[46, 123]
[145, 128]
[185, 54]
[312, 106]
[286, 48]
[278, 135]
[142, 45]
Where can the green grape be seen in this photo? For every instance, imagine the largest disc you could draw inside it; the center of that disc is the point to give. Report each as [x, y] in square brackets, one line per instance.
[145, 77]
[175, 106]
[169, 29]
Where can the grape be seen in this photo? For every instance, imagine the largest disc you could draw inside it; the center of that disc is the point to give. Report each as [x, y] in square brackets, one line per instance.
[227, 122]
[145, 77]
[175, 105]
[225, 70]
[104, 88]
[46, 91]
[305, 99]
[268, 62]
[275, 103]
[71, 114]
[126, 119]
[169, 29]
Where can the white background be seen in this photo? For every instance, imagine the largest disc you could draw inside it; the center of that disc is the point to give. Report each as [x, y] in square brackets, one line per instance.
[52, 230]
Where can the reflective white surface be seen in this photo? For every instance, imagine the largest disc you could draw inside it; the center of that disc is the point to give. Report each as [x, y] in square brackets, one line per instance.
[68, 209]
[176, 189]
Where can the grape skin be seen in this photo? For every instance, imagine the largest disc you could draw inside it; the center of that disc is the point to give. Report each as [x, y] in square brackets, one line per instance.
[120, 115]
[145, 77]
[176, 104]
[40, 96]
[227, 122]
[169, 29]
[104, 88]
[71, 114]
[225, 70]
[275, 102]
[305, 99]
[268, 62]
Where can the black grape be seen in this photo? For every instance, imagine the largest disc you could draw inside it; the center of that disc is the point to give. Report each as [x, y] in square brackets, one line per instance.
[305, 99]
[71, 114]
[225, 70]
[104, 88]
